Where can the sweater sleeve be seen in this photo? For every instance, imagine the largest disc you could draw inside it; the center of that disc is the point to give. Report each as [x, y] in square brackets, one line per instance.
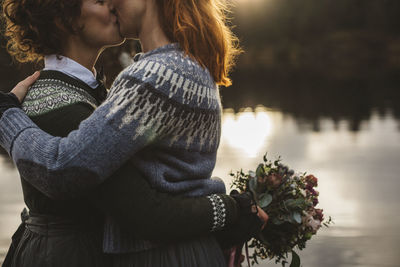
[149, 214]
[134, 116]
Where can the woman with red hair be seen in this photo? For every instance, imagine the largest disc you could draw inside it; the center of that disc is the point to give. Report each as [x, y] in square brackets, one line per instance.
[162, 115]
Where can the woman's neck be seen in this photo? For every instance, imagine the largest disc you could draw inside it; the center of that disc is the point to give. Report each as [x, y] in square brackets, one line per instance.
[151, 34]
[84, 55]
[153, 39]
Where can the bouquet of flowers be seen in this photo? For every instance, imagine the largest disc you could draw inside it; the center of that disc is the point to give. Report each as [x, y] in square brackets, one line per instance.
[290, 201]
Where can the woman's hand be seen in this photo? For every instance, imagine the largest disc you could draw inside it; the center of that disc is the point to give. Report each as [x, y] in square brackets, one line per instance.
[21, 89]
[250, 222]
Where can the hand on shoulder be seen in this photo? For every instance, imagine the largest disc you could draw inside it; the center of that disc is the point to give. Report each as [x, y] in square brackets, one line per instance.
[21, 89]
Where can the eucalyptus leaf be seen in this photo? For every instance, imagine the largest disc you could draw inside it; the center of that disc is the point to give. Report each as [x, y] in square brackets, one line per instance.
[295, 203]
[260, 170]
[264, 200]
[289, 218]
[297, 217]
[276, 221]
[295, 260]
[253, 184]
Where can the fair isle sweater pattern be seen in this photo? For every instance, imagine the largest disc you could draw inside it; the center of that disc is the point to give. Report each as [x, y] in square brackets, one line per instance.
[163, 113]
[49, 94]
[165, 116]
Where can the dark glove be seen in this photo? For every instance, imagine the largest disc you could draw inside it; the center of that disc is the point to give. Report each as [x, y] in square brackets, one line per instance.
[246, 227]
[7, 101]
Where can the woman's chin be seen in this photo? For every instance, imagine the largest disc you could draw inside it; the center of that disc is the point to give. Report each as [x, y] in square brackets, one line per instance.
[116, 42]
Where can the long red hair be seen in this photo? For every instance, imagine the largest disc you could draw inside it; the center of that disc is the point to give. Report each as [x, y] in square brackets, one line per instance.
[200, 27]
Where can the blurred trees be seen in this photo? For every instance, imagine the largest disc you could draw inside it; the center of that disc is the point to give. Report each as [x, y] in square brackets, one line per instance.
[318, 36]
[318, 58]
[309, 58]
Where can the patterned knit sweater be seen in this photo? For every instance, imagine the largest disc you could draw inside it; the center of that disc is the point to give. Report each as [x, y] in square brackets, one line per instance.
[162, 113]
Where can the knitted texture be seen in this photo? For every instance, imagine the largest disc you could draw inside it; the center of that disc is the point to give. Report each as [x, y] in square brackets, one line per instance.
[163, 112]
[219, 212]
[49, 94]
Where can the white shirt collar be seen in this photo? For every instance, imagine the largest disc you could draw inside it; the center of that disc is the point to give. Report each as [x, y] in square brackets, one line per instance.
[70, 68]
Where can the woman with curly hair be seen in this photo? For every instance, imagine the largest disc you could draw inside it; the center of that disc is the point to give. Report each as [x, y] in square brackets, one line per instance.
[65, 35]
[158, 129]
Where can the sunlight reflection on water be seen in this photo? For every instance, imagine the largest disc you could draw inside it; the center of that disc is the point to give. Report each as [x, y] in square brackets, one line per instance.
[254, 126]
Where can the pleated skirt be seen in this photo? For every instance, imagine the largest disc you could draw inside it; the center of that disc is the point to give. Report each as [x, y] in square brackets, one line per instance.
[55, 246]
[201, 252]
[45, 244]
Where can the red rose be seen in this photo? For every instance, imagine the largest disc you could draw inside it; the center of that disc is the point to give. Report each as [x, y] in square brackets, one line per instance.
[319, 215]
[311, 180]
[313, 192]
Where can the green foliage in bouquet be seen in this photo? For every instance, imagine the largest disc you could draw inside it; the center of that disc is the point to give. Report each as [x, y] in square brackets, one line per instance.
[289, 199]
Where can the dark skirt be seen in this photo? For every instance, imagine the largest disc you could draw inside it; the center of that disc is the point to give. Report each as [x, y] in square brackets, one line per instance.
[58, 243]
[201, 252]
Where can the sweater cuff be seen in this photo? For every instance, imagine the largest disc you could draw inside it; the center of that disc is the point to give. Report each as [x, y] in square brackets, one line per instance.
[225, 211]
[12, 123]
[15, 99]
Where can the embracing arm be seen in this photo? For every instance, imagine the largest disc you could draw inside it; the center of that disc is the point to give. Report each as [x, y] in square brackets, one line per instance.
[150, 214]
[116, 130]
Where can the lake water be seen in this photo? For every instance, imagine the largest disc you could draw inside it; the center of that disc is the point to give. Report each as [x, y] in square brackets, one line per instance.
[357, 171]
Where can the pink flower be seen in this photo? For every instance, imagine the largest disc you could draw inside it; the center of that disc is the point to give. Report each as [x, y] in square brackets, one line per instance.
[315, 225]
[312, 223]
[311, 212]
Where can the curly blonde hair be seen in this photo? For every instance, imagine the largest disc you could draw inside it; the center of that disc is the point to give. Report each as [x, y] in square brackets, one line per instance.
[35, 28]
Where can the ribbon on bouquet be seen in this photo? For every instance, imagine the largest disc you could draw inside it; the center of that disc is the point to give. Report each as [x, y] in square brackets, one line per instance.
[236, 257]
